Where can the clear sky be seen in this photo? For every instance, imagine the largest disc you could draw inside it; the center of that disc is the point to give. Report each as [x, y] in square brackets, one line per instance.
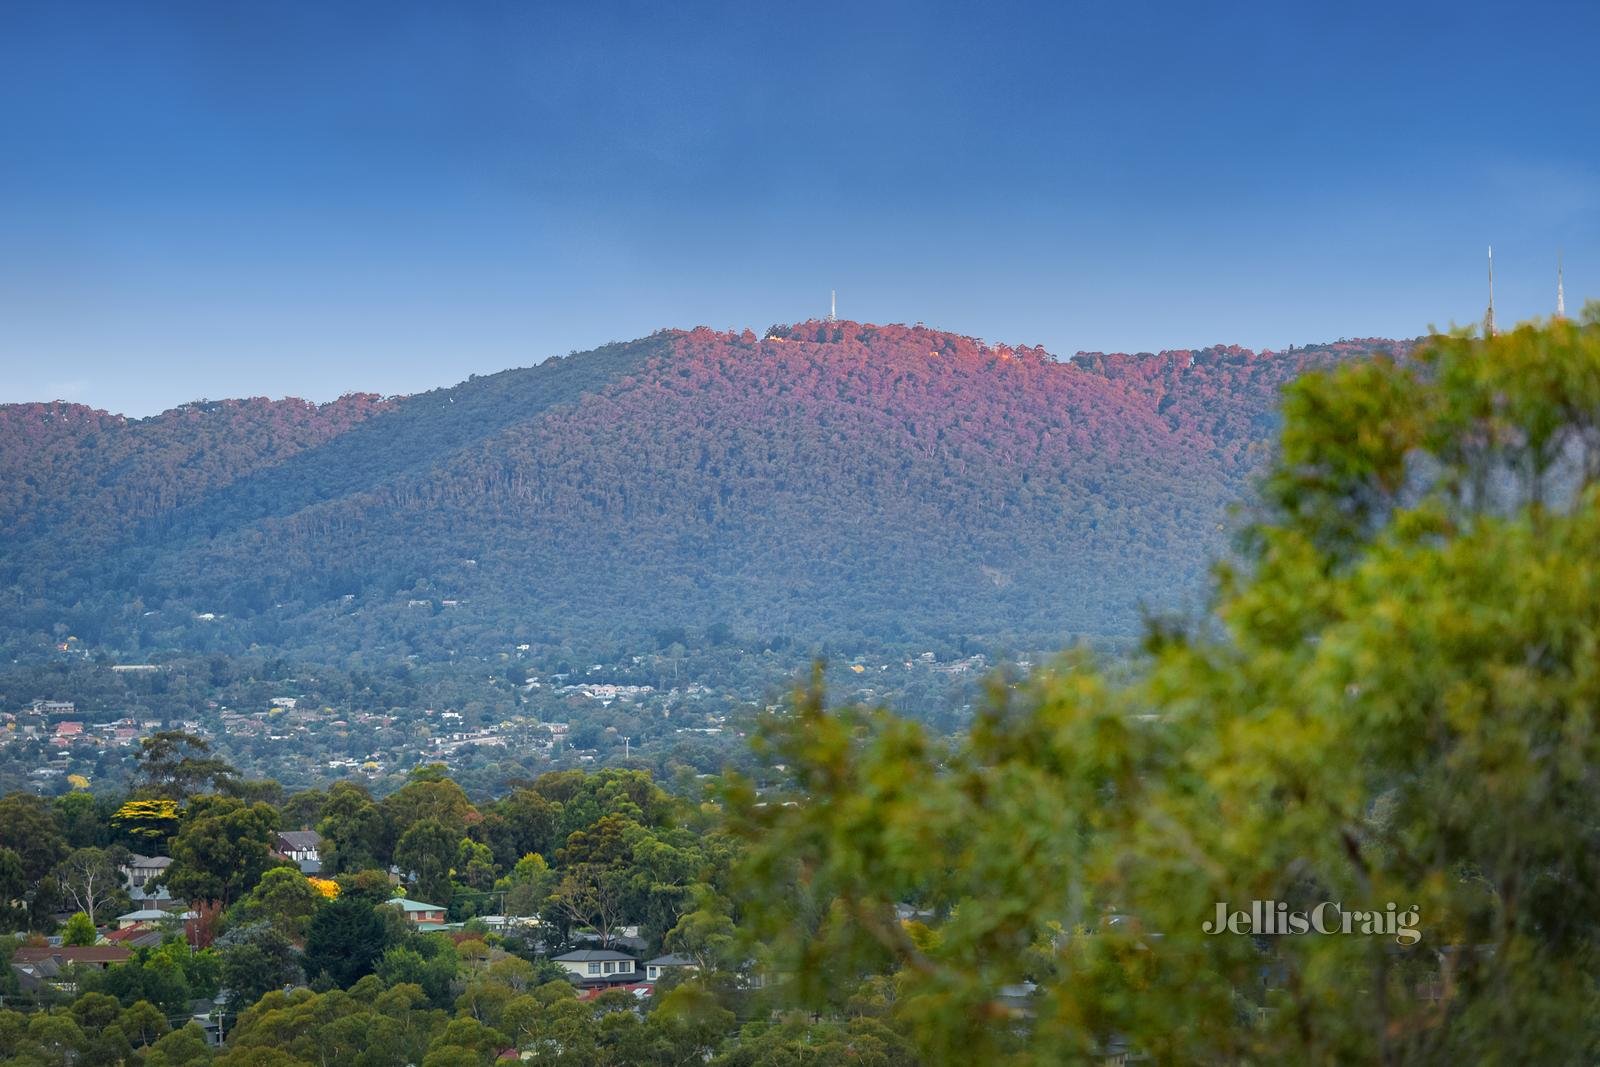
[309, 198]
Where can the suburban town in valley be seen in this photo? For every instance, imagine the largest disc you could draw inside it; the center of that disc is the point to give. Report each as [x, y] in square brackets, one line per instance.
[307, 730]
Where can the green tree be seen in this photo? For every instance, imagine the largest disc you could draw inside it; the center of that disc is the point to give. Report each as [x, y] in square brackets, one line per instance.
[427, 853]
[28, 827]
[96, 1011]
[345, 940]
[1393, 706]
[255, 960]
[222, 847]
[154, 976]
[303, 810]
[284, 898]
[527, 888]
[186, 1047]
[464, 1041]
[524, 821]
[143, 1022]
[434, 974]
[429, 796]
[352, 829]
[176, 765]
[474, 864]
[79, 930]
[706, 933]
[13, 891]
[55, 1039]
[84, 819]
[372, 886]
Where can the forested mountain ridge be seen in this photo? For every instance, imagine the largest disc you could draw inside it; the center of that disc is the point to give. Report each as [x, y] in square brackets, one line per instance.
[66, 465]
[828, 482]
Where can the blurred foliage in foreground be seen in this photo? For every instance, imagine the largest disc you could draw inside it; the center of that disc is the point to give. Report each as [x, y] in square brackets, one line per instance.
[1395, 701]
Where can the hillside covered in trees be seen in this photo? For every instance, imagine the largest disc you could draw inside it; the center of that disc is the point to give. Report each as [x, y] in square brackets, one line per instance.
[1346, 819]
[827, 483]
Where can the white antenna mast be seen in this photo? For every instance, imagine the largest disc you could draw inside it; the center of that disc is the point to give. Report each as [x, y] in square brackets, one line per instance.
[1561, 291]
[1488, 318]
[833, 305]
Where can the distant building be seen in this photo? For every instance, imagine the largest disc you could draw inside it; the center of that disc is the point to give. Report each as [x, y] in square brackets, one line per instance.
[421, 915]
[97, 956]
[671, 962]
[599, 966]
[303, 847]
[141, 870]
[41, 968]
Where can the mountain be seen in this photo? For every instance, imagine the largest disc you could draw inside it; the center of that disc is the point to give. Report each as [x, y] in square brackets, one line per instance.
[830, 482]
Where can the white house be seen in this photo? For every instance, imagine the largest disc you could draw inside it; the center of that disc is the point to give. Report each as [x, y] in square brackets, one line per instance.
[654, 969]
[591, 966]
[141, 917]
[303, 847]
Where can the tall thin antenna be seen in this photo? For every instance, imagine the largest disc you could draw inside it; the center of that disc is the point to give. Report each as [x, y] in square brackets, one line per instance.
[1561, 290]
[1488, 318]
[833, 305]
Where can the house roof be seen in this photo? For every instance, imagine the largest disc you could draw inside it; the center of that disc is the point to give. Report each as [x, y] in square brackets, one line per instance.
[300, 838]
[590, 955]
[143, 915]
[135, 937]
[409, 906]
[137, 860]
[638, 989]
[31, 977]
[671, 959]
[72, 954]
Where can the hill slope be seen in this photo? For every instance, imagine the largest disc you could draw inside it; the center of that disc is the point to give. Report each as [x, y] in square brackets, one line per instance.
[828, 482]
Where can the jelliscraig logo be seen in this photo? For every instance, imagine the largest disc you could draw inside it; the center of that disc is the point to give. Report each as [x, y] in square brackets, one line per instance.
[1272, 917]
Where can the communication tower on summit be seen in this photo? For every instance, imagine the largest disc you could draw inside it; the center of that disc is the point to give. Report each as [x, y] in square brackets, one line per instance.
[833, 305]
[1488, 318]
[1561, 291]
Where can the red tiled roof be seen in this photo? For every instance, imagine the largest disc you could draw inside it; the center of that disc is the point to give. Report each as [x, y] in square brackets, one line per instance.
[594, 991]
[101, 954]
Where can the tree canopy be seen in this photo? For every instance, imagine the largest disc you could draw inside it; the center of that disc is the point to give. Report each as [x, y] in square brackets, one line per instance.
[1393, 710]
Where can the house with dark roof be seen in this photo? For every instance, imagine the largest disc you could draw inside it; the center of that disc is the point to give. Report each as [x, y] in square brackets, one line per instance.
[671, 962]
[303, 847]
[599, 966]
[55, 966]
[625, 938]
[141, 870]
[140, 936]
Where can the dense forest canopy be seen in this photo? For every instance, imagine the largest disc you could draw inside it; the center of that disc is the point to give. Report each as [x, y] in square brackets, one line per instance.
[830, 480]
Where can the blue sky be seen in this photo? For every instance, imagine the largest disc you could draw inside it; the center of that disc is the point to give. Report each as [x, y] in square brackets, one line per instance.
[296, 198]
